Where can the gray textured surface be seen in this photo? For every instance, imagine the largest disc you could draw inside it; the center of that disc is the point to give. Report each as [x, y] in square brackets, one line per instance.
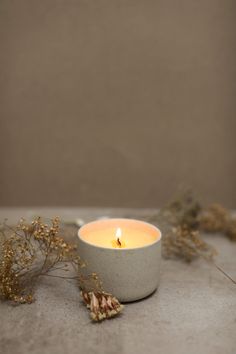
[194, 311]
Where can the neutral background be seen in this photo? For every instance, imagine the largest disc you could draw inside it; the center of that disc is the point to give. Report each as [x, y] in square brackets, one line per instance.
[117, 102]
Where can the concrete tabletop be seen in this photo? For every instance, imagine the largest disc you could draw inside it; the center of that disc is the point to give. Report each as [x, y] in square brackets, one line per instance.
[193, 311]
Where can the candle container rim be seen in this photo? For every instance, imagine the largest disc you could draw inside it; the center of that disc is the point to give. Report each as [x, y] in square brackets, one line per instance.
[125, 248]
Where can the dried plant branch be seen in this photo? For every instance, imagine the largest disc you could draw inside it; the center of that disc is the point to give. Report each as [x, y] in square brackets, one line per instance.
[33, 250]
[181, 222]
[29, 251]
[216, 218]
[186, 244]
[183, 209]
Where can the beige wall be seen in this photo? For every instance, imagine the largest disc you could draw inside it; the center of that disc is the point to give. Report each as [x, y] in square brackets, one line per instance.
[116, 102]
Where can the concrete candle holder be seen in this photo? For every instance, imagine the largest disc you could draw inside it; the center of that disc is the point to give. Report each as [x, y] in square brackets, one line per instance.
[130, 272]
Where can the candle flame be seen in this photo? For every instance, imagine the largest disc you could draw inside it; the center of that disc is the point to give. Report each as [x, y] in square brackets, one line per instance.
[118, 236]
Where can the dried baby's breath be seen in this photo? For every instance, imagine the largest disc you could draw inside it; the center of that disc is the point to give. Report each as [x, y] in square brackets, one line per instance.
[186, 244]
[29, 251]
[36, 249]
[216, 218]
[179, 222]
[183, 209]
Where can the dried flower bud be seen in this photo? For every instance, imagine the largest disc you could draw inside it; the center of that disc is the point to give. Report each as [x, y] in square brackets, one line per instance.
[101, 304]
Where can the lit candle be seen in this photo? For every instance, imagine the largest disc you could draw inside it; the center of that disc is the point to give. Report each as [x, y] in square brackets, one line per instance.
[125, 254]
[118, 243]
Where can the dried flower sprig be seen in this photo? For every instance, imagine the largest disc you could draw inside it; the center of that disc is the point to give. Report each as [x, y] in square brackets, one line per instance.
[183, 209]
[30, 251]
[184, 243]
[179, 221]
[216, 218]
[36, 249]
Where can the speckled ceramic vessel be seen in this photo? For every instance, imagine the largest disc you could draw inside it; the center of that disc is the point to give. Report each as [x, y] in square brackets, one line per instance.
[128, 273]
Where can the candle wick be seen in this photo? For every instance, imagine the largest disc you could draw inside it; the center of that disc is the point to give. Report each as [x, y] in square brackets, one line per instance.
[118, 241]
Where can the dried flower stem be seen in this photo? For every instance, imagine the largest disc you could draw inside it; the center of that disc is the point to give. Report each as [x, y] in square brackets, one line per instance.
[29, 251]
[35, 250]
[224, 273]
[182, 219]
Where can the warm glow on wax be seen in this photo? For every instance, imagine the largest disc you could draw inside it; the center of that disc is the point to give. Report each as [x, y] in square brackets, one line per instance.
[119, 233]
